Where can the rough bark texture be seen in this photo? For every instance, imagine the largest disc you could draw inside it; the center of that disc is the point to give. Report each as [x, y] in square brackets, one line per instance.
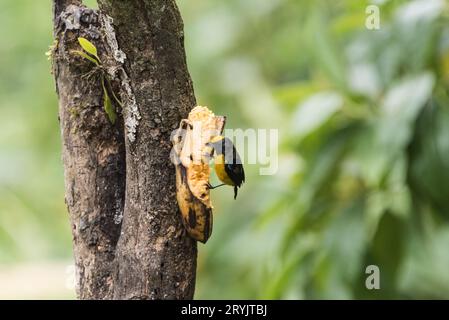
[93, 155]
[147, 254]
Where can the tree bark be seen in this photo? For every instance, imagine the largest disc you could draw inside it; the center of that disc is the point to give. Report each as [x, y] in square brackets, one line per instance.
[128, 238]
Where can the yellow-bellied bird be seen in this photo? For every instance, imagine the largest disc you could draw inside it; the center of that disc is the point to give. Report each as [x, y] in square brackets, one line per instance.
[228, 165]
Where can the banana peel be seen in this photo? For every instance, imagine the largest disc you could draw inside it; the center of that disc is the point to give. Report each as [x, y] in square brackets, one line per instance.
[192, 155]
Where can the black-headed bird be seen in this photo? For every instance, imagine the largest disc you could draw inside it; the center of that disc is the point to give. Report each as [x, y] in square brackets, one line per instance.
[228, 165]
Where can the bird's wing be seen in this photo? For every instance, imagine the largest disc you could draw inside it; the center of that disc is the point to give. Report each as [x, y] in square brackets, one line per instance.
[233, 163]
[235, 172]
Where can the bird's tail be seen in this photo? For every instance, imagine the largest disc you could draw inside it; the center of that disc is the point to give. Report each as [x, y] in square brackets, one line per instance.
[235, 192]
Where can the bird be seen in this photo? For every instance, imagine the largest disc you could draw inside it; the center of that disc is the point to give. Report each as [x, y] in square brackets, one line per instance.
[227, 163]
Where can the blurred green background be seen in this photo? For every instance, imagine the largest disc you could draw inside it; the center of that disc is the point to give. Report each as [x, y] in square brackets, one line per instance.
[363, 119]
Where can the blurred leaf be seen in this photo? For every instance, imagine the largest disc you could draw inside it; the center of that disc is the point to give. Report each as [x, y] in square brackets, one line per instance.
[385, 139]
[417, 11]
[314, 112]
[280, 206]
[349, 22]
[387, 250]
[429, 171]
[286, 269]
[344, 240]
[424, 272]
[319, 176]
[363, 79]
[324, 49]
[291, 94]
[406, 99]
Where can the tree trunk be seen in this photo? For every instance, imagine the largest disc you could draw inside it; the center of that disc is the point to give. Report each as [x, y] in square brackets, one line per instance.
[128, 238]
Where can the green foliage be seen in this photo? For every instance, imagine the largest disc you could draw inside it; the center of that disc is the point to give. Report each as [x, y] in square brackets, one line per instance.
[373, 152]
[91, 54]
[363, 176]
[89, 47]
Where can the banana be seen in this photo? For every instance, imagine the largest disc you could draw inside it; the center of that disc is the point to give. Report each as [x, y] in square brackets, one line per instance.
[192, 170]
